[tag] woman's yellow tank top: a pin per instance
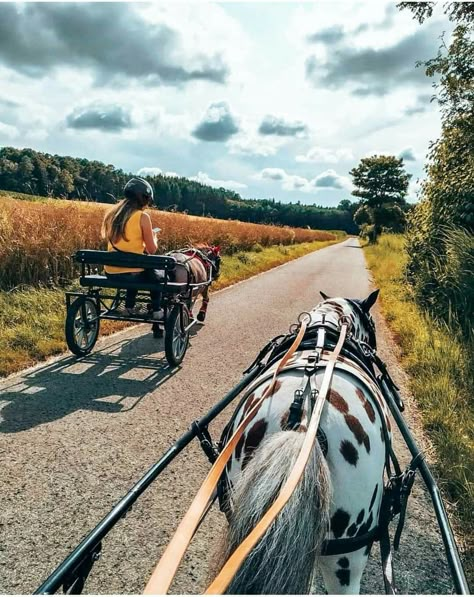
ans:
(133, 244)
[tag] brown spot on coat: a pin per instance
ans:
(369, 409)
(349, 452)
(372, 501)
(352, 530)
(343, 562)
(254, 437)
(239, 446)
(336, 400)
(344, 576)
(359, 433)
(339, 521)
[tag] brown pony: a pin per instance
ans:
(198, 264)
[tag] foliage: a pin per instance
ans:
(382, 183)
(29, 171)
(32, 319)
(440, 366)
(38, 238)
(441, 225)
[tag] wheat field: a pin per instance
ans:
(37, 238)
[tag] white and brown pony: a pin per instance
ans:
(198, 265)
(341, 490)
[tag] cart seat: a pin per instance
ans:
(97, 281)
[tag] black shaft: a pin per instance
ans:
(452, 553)
(57, 578)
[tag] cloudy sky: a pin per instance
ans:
(269, 99)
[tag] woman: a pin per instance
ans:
(128, 229)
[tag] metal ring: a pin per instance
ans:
(302, 315)
(345, 320)
(294, 327)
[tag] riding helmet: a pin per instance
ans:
(138, 187)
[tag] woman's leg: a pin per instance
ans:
(131, 295)
(150, 276)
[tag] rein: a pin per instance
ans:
(166, 568)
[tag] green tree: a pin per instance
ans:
(382, 184)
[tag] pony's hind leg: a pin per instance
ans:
(342, 574)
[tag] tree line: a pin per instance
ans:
(36, 173)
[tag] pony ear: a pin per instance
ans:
(324, 295)
(369, 302)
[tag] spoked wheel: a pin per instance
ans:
(82, 326)
(176, 335)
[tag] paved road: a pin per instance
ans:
(75, 435)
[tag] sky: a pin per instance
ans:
(268, 99)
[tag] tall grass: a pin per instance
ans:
(440, 365)
(37, 238)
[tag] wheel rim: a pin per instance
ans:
(85, 330)
(179, 338)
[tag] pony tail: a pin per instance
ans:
(284, 560)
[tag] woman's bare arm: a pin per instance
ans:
(148, 234)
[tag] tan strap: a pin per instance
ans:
(167, 566)
(223, 579)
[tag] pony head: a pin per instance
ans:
(357, 310)
(214, 256)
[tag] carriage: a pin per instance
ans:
(103, 297)
(329, 343)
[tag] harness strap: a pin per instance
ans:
(167, 566)
(223, 579)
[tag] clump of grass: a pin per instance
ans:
(37, 238)
(32, 319)
(440, 365)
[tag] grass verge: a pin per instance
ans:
(32, 319)
(441, 378)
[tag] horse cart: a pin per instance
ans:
(334, 344)
(102, 298)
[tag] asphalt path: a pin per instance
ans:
(75, 435)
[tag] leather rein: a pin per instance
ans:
(167, 566)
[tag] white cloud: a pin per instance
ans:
(325, 155)
(8, 131)
(331, 180)
(149, 172)
(204, 178)
(251, 144)
(328, 180)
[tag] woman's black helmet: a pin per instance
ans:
(138, 188)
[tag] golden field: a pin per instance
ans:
(37, 238)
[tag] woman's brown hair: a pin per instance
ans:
(115, 220)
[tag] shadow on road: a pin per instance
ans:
(111, 380)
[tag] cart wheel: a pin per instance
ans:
(176, 341)
(82, 326)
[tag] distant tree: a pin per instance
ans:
(382, 184)
(345, 205)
